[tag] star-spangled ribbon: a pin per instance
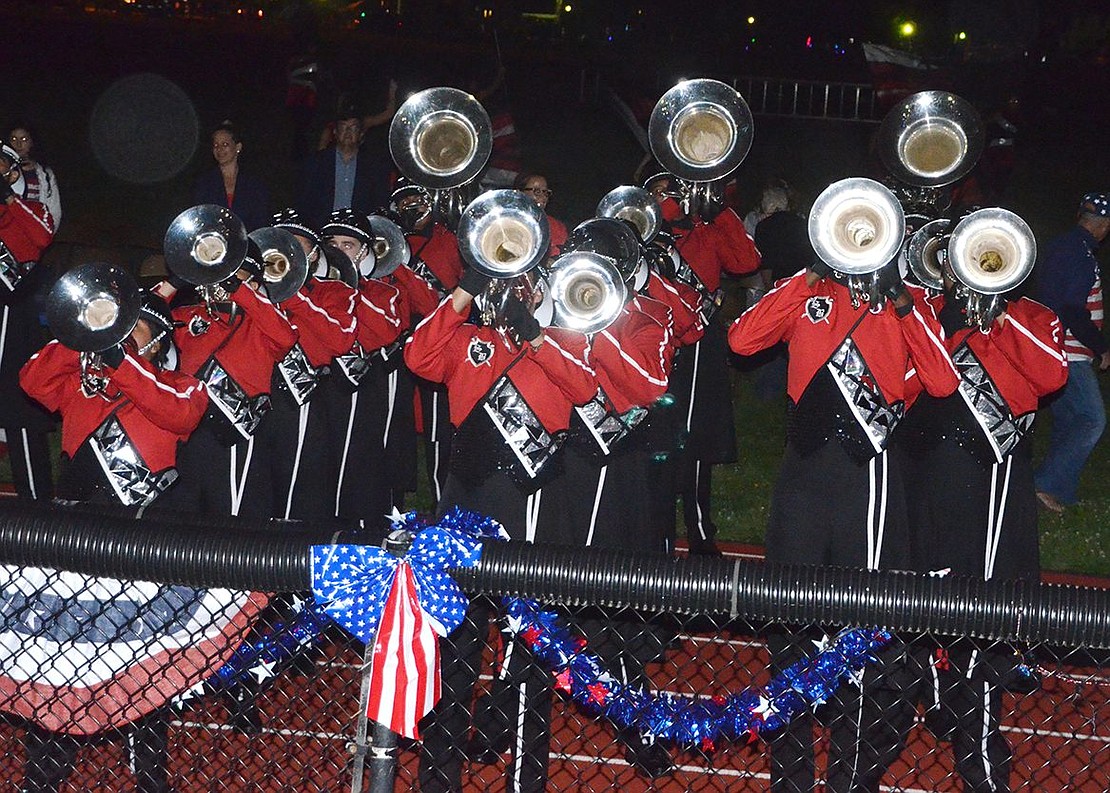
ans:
(399, 605)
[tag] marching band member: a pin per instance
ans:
(232, 345)
(296, 434)
(971, 453)
(510, 391)
(26, 229)
(849, 362)
(436, 260)
(709, 245)
(360, 400)
(119, 441)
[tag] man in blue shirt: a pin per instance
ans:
(1070, 284)
(345, 175)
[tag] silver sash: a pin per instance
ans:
(421, 268)
(243, 412)
(132, 480)
(298, 374)
(709, 302)
(869, 407)
(1004, 431)
(532, 445)
(11, 271)
(355, 365)
(605, 426)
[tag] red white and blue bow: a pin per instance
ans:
(400, 606)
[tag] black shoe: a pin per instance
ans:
(650, 759)
(704, 548)
(487, 751)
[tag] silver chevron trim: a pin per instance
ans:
(852, 375)
(245, 413)
(127, 472)
(520, 427)
(1003, 430)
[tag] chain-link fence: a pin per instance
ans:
(624, 673)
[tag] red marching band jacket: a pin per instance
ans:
(321, 313)
(470, 359)
(418, 297)
(632, 357)
(157, 408)
(814, 321)
(436, 256)
(380, 314)
(722, 246)
(26, 229)
(688, 325)
(247, 347)
(1023, 353)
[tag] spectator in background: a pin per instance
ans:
(535, 185)
(226, 185)
(42, 185)
(1071, 285)
(344, 175)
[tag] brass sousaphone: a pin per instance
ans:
(203, 246)
(441, 139)
(503, 234)
(390, 247)
(991, 251)
(284, 264)
(90, 309)
(700, 131)
(856, 226)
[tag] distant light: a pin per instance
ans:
(961, 36)
(260, 13)
(907, 29)
(567, 8)
(753, 39)
(751, 20)
(809, 42)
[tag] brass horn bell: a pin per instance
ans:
(93, 307)
(440, 138)
(390, 247)
(585, 293)
(930, 139)
(612, 238)
(284, 263)
(992, 251)
(700, 130)
(856, 226)
(635, 205)
(205, 244)
(927, 251)
(503, 234)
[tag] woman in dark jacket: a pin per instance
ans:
(228, 186)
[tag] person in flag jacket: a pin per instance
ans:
(295, 437)
(1070, 283)
(26, 230)
(708, 246)
(119, 446)
(511, 389)
(435, 263)
(973, 512)
(233, 346)
(839, 499)
(361, 394)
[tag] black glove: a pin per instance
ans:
(820, 269)
(474, 282)
(889, 283)
(520, 319)
(113, 356)
(230, 284)
(710, 209)
(5, 190)
(952, 316)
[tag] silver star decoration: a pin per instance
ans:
(823, 644)
(263, 670)
(855, 677)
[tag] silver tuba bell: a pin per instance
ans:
(584, 293)
(89, 309)
(205, 244)
(930, 139)
(284, 263)
(502, 234)
(856, 226)
(390, 247)
(927, 251)
(441, 138)
(635, 205)
(991, 251)
(700, 131)
(617, 241)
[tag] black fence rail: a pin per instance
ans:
(637, 673)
